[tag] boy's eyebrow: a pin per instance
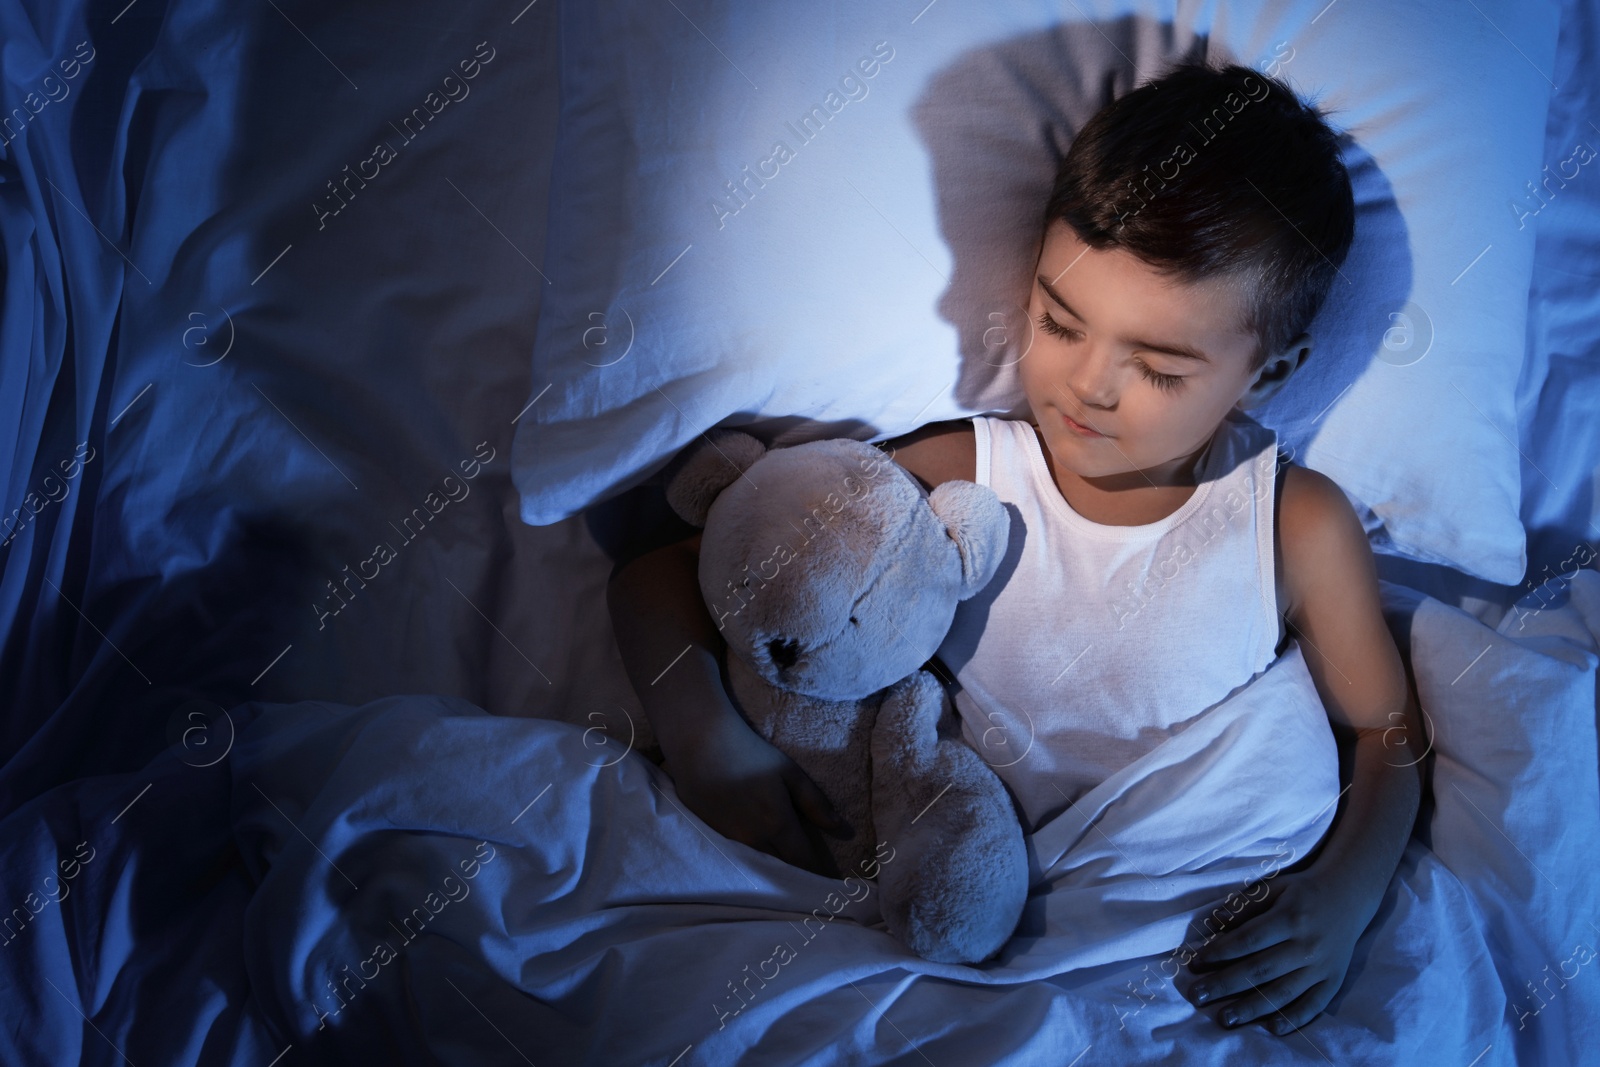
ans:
(1182, 350)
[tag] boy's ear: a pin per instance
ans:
(1276, 372)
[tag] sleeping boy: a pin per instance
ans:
(1194, 229)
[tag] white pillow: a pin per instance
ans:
(868, 276)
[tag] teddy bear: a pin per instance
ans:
(833, 576)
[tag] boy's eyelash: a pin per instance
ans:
(1049, 325)
(1159, 380)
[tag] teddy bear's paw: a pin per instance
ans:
(957, 889)
(959, 905)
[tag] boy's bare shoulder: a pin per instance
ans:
(1323, 544)
(1315, 512)
(935, 453)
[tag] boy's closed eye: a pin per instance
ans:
(1155, 377)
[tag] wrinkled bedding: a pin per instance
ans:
(416, 880)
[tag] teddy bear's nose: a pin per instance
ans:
(783, 652)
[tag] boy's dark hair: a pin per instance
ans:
(1209, 172)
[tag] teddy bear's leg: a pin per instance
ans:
(955, 883)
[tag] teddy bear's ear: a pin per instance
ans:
(979, 525)
(705, 467)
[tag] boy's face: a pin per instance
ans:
(1098, 372)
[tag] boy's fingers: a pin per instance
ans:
(796, 846)
(1266, 1001)
(789, 844)
(1242, 939)
(811, 802)
(1227, 917)
(1246, 975)
(1308, 1006)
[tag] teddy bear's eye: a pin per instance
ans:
(853, 620)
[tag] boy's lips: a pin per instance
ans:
(1078, 428)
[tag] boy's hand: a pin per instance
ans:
(748, 791)
(1284, 958)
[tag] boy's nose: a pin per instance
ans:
(1090, 387)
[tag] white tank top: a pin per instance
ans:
(1094, 643)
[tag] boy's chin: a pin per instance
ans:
(1067, 453)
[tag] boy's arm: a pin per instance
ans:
(725, 772)
(1288, 958)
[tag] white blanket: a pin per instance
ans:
(605, 924)
(425, 883)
